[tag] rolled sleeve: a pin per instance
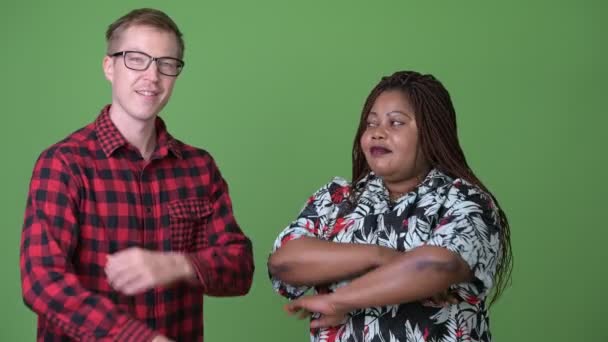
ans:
(469, 227)
(224, 266)
(312, 221)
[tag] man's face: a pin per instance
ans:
(140, 95)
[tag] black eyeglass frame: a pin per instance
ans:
(151, 59)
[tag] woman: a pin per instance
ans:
(414, 224)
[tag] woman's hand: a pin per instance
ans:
(442, 299)
(330, 314)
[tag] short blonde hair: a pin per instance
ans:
(145, 17)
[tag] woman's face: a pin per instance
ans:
(390, 140)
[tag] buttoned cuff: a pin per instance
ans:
(198, 265)
(135, 331)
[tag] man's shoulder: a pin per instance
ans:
(192, 153)
(74, 145)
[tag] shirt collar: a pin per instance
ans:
(375, 186)
(111, 139)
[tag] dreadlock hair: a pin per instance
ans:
(436, 120)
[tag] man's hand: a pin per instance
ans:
(136, 270)
(161, 338)
(330, 315)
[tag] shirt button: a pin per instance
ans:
(148, 210)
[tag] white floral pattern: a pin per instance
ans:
(441, 211)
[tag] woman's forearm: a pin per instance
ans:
(311, 261)
(415, 275)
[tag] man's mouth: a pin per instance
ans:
(147, 92)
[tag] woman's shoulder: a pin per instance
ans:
(339, 181)
(337, 189)
(463, 192)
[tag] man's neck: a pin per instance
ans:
(140, 134)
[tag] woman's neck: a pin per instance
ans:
(397, 188)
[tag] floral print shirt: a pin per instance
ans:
(441, 211)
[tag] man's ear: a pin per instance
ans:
(108, 68)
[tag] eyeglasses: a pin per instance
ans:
(136, 60)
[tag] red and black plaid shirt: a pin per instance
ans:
(92, 195)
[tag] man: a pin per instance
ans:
(126, 227)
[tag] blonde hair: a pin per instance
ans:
(146, 17)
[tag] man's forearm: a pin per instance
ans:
(224, 270)
(82, 304)
(310, 261)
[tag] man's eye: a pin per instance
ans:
(136, 60)
(168, 64)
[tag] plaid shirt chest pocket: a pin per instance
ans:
(188, 219)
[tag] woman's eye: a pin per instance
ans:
(396, 123)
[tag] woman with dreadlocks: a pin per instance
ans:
(415, 248)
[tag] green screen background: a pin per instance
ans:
(274, 90)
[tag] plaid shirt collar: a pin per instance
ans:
(111, 139)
